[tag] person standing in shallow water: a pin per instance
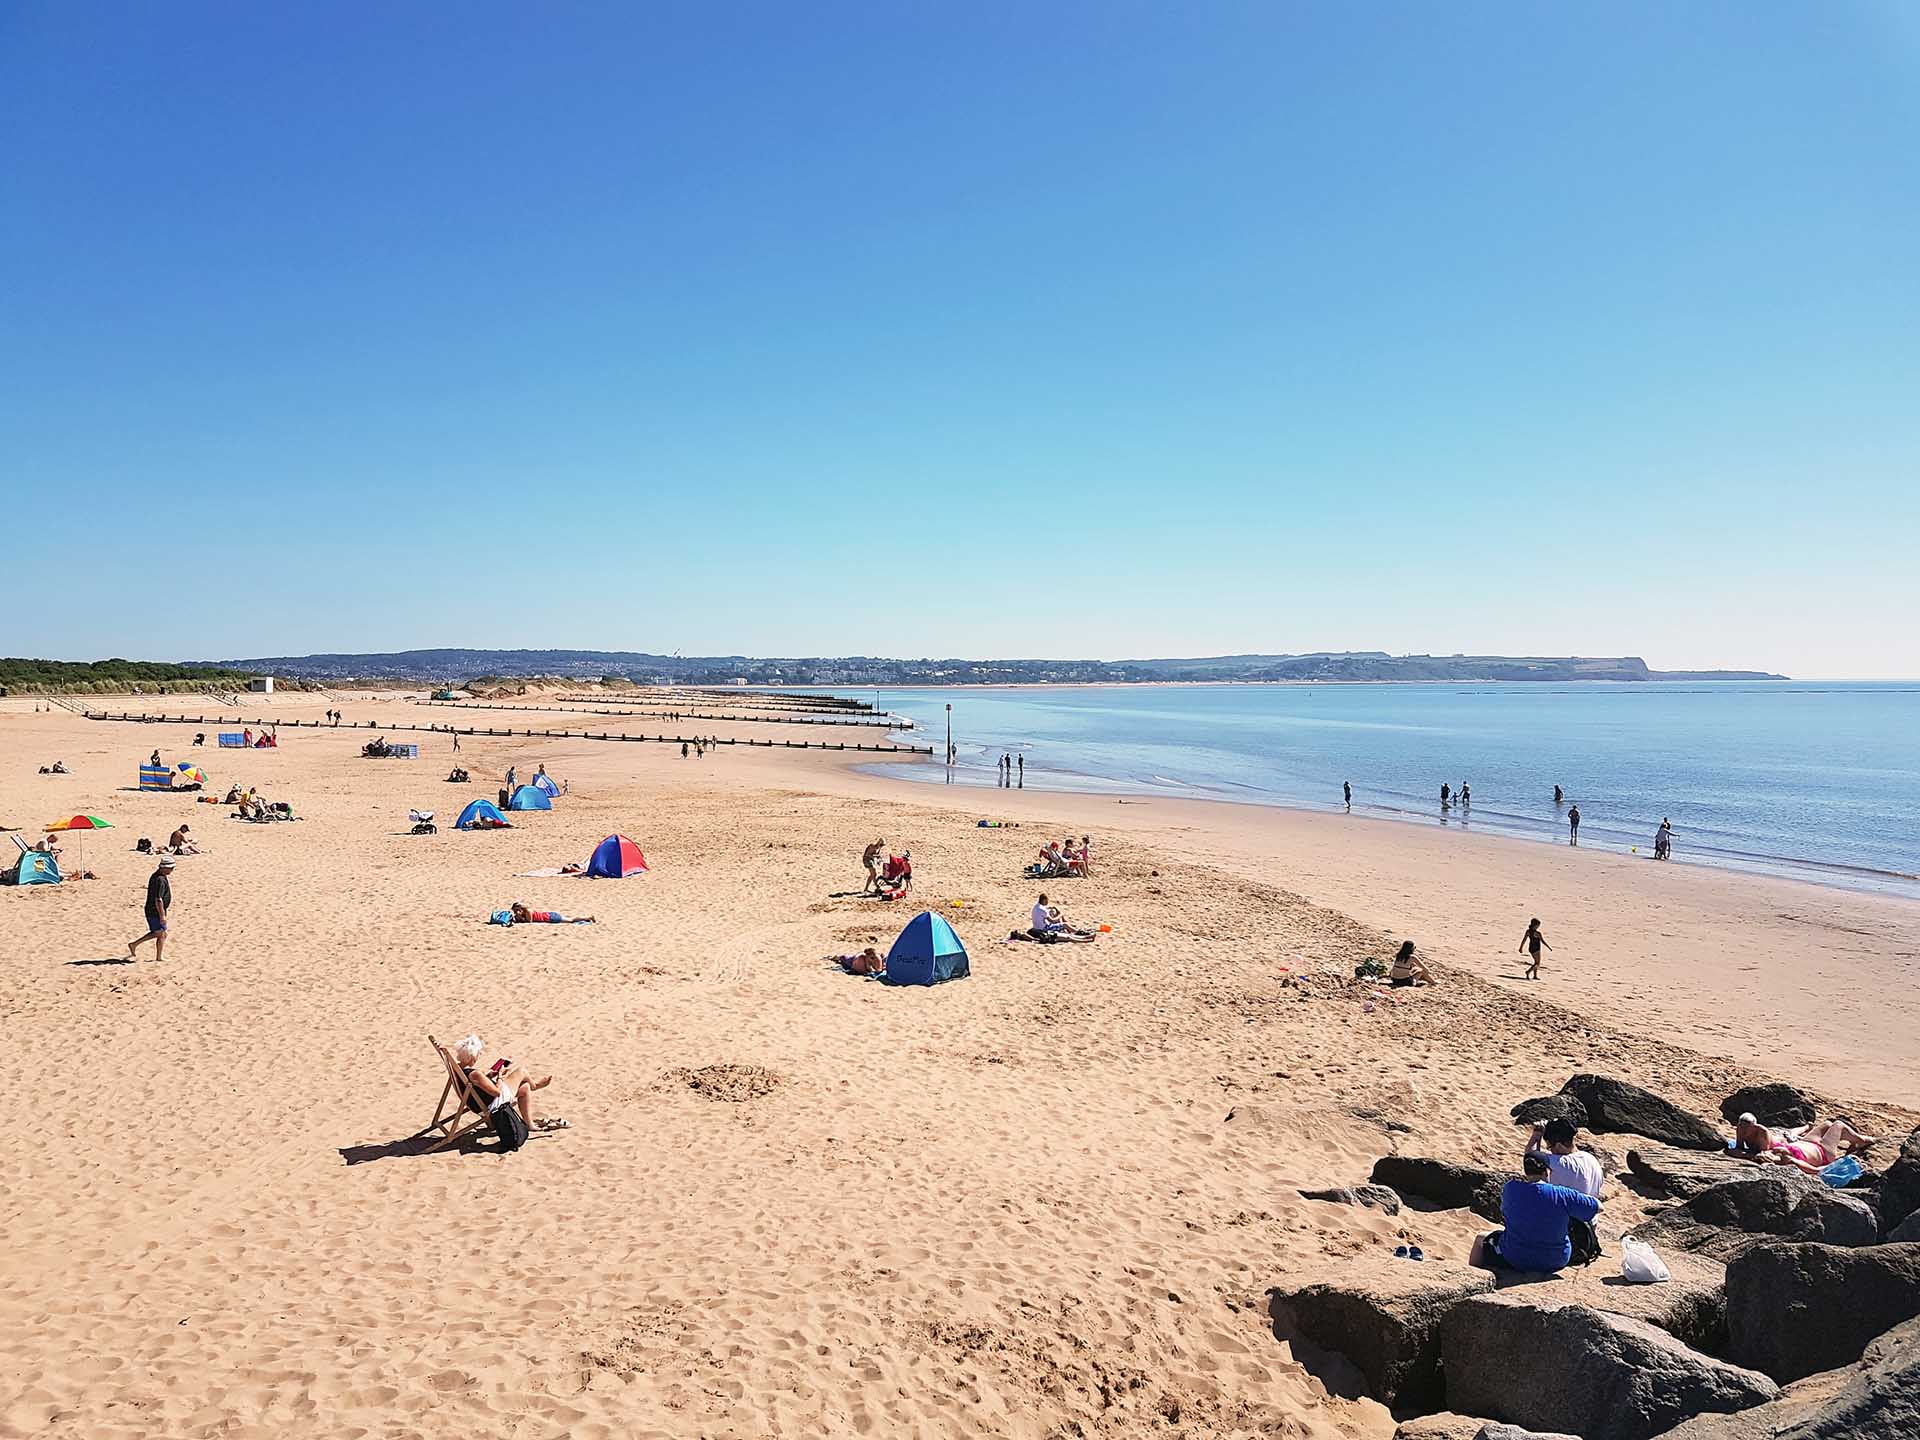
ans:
(1346, 792)
(1573, 825)
(1559, 795)
(1023, 772)
(1446, 795)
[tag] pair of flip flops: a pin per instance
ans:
(1408, 1252)
(551, 1122)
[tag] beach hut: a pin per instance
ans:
(615, 858)
(530, 797)
(480, 813)
(36, 867)
(926, 953)
(543, 782)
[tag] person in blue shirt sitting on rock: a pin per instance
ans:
(1537, 1213)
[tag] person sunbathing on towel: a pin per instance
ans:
(181, 843)
(523, 916)
(1809, 1148)
(503, 1078)
(867, 962)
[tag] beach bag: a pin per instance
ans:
(500, 917)
(1639, 1265)
(1585, 1242)
(504, 1116)
(145, 847)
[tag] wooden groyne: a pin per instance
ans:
(274, 724)
(781, 719)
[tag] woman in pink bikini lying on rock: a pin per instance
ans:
(1809, 1148)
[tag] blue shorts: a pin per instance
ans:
(156, 922)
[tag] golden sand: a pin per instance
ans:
(1044, 1201)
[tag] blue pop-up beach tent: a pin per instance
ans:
(926, 953)
(476, 812)
(529, 797)
(36, 867)
(544, 784)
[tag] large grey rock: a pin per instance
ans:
(1876, 1399)
(1370, 1197)
(1574, 1369)
(1908, 1230)
(1550, 1107)
(1441, 1425)
(1494, 1430)
(1679, 1174)
(1776, 1104)
(1614, 1105)
(1384, 1316)
(1691, 1307)
(1794, 1309)
(1900, 1186)
(1450, 1186)
(1757, 1204)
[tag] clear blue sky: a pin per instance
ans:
(1062, 329)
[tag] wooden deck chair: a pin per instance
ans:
(468, 1109)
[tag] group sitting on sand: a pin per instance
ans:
(59, 767)
(1549, 1209)
(1062, 858)
(1049, 927)
(1807, 1148)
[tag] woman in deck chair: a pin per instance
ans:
(502, 1078)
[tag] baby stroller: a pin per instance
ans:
(897, 878)
(422, 822)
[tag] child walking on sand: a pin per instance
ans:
(1534, 942)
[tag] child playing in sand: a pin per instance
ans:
(1533, 940)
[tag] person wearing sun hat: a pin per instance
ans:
(159, 902)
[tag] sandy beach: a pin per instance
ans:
(1044, 1201)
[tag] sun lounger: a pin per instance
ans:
(467, 1111)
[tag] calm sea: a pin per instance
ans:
(1817, 780)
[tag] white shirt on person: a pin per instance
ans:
(1043, 918)
(1578, 1171)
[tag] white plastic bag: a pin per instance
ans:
(1639, 1265)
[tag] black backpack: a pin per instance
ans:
(507, 1124)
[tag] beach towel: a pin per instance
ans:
(546, 872)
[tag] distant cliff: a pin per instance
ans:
(1351, 665)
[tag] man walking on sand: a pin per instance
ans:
(159, 901)
(870, 857)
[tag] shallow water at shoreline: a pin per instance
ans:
(1817, 781)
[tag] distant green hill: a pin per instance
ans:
(414, 666)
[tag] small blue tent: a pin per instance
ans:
(478, 813)
(36, 868)
(529, 797)
(543, 782)
(926, 953)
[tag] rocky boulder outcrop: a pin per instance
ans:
(1772, 1104)
(1370, 1197)
(1384, 1316)
(1450, 1186)
(1540, 1110)
(1691, 1306)
(1679, 1174)
(1794, 1309)
(1758, 1204)
(1876, 1399)
(1582, 1371)
(1493, 1430)
(1907, 1231)
(1616, 1106)
(1900, 1186)
(1441, 1425)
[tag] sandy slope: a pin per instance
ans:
(1046, 1201)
